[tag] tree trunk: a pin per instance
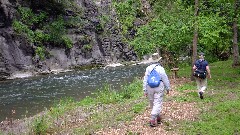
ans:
(235, 37)
(195, 37)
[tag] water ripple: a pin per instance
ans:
(34, 94)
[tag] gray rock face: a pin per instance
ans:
(13, 56)
(96, 43)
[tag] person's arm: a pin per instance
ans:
(165, 80)
(208, 71)
(194, 67)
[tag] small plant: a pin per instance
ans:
(138, 107)
(87, 47)
(61, 107)
(40, 126)
(40, 37)
(187, 86)
(68, 42)
(23, 30)
(56, 30)
(104, 20)
(40, 51)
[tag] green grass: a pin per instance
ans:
(187, 86)
(221, 107)
(107, 107)
(121, 106)
(219, 110)
(221, 119)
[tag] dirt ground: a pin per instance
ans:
(172, 112)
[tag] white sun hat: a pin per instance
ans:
(156, 57)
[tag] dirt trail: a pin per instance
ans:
(172, 112)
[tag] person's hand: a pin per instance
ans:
(167, 91)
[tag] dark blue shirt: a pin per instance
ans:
(201, 64)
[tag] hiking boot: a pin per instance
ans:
(152, 123)
(159, 120)
(201, 95)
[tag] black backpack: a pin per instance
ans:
(199, 72)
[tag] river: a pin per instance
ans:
(26, 97)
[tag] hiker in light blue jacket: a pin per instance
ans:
(156, 94)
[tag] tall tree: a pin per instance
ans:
(195, 35)
(235, 35)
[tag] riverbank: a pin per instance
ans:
(88, 116)
(127, 112)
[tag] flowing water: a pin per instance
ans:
(21, 98)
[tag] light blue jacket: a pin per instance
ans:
(162, 74)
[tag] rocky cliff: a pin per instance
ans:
(18, 56)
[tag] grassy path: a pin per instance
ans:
(172, 113)
(184, 113)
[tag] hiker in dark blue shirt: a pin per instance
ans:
(201, 65)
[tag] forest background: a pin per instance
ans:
(175, 28)
(183, 28)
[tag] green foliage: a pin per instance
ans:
(57, 32)
(87, 47)
(145, 40)
(67, 41)
(108, 95)
(160, 6)
(127, 12)
(214, 33)
(40, 51)
(104, 19)
(56, 29)
(60, 107)
(170, 30)
(40, 126)
(189, 97)
(29, 18)
(23, 30)
(40, 37)
(138, 107)
(38, 31)
(186, 87)
(87, 101)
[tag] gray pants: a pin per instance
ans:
(201, 84)
(155, 96)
